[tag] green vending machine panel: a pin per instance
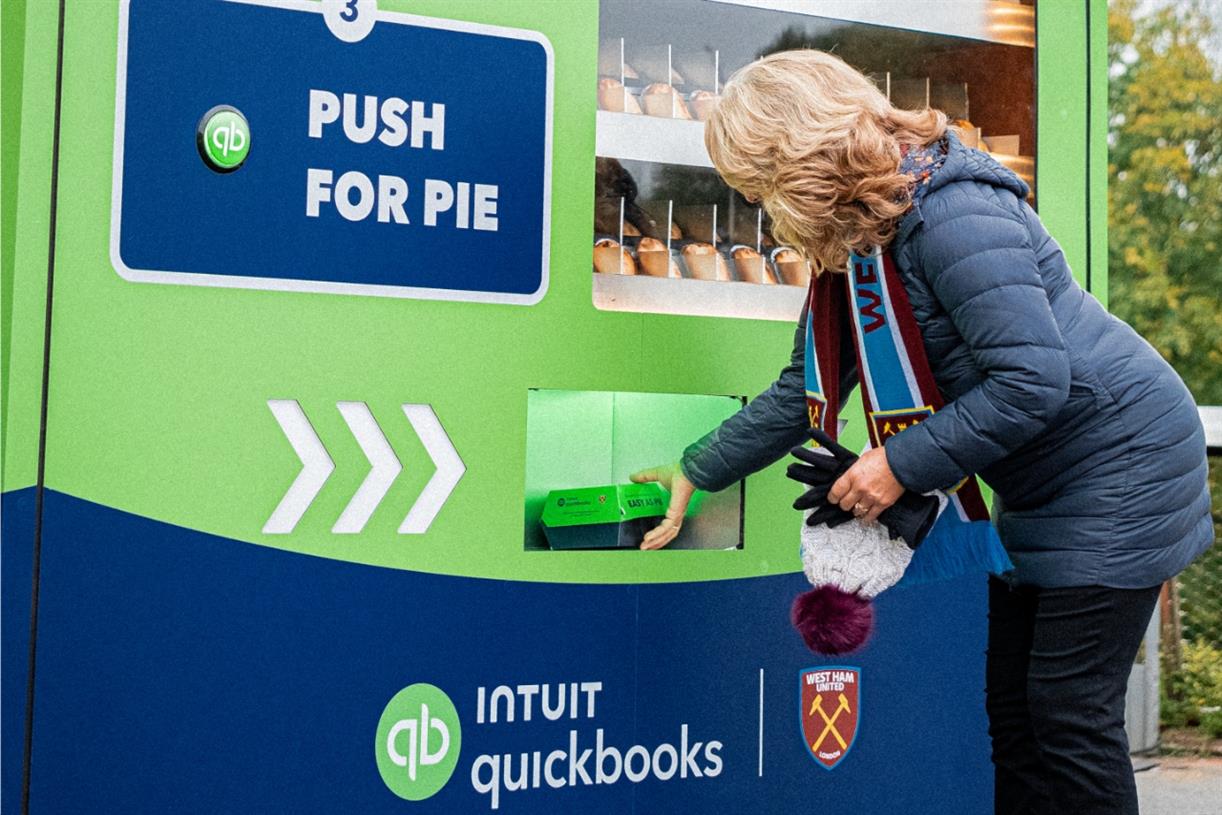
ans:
(314, 310)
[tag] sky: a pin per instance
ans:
(1214, 7)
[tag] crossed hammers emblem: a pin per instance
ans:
(829, 722)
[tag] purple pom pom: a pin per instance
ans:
(832, 621)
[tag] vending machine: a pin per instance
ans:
(332, 334)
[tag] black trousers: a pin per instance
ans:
(1058, 665)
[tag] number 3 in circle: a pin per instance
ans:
(350, 20)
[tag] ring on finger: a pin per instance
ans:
(860, 509)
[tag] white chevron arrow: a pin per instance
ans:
(316, 466)
(449, 469)
(384, 467)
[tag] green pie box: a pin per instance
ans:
(613, 517)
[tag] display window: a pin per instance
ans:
(669, 236)
(582, 449)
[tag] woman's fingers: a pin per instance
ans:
(850, 501)
(680, 495)
(840, 489)
(660, 535)
(868, 482)
(876, 509)
(851, 493)
(662, 475)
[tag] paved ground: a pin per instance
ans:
(1179, 786)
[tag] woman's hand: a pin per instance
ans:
(680, 489)
(868, 487)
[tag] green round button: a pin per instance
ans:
(223, 138)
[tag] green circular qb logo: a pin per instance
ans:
(223, 138)
(418, 741)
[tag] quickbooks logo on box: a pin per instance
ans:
(418, 741)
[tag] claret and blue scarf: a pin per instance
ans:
(849, 561)
(897, 391)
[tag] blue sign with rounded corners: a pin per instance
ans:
(361, 151)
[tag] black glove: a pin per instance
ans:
(910, 518)
(819, 473)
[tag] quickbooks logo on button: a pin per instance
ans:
(223, 138)
(418, 741)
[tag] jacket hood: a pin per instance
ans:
(965, 164)
(961, 164)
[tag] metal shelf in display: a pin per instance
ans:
(698, 298)
(640, 137)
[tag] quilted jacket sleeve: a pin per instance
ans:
(767, 427)
(982, 269)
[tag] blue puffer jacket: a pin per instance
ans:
(1090, 441)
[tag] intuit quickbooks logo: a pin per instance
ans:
(418, 741)
(419, 733)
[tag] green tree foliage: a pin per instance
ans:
(1201, 583)
(1165, 185)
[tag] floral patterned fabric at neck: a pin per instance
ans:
(922, 162)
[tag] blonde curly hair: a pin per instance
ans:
(818, 144)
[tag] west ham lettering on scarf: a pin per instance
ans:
(868, 300)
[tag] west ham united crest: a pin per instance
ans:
(888, 423)
(830, 709)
